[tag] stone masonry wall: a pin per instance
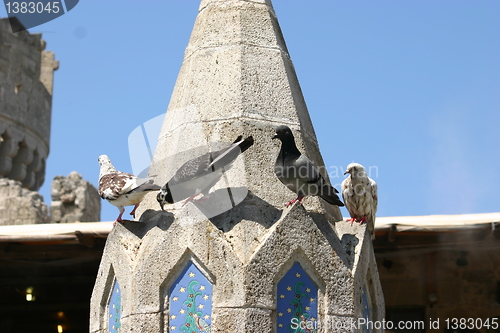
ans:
(74, 200)
(19, 205)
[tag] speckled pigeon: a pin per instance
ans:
(122, 189)
(201, 173)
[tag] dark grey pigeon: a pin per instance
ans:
(298, 173)
(201, 173)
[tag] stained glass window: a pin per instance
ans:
(191, 302)
(115, 308)
(365, 302)
(297, 304)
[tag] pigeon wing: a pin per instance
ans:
(210, 162)
(225, 157)
(191, 169)
(305, 170)
(374, 192)
(112, 185)
(143, 185)
(308, 175)
(347, 195)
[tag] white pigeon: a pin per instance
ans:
(122, 189)
(360, 196)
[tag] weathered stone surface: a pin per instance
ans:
(19, 205)
(236, 79)
(74, 200)
(251, 320)
(26, 81)
(145, 258)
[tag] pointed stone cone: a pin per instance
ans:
(223, 263)
(237, 78)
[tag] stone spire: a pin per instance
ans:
(237, 78)
(236, 264)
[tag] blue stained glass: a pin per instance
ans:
(191, 302)
(115, 308)
(366, 309)
(297, 305)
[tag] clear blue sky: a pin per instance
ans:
(411, 88)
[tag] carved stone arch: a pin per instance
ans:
(111, 284)
(315, 289)
(116, 264)
(20, 162)
(368, 292)
(8, 149)
(108, 295)
(186, 271)
(298, 255)
(284, 242)
(40, 174)
(108, 278)
(176, 270)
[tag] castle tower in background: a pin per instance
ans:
(243, 263)
(26, 80)
(26, 85)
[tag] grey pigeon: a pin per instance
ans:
(298, 173)
(360, 196)
(201, 173)
(122, 189)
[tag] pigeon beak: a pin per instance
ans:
(346, 172)
(275, 136)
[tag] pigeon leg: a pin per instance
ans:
(133, 210)
(299, 199)
(363, 220)
(352, 219)
(184, 203)
(119, 218)
(203, 198)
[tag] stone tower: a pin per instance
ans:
(26, 82)
(238, 262)
(26, 79)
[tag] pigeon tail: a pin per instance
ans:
(201, 173)
(245, 144)
(146, 187)
(328, 194)
(225, 157)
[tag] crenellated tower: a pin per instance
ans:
(26, 80)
